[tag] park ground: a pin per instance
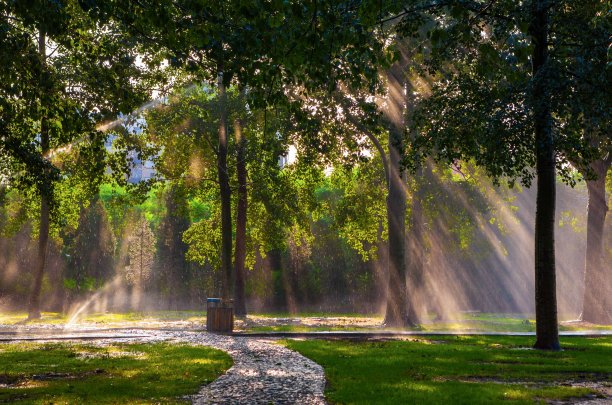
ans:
(416, 369)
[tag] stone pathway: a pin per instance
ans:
(263, 373)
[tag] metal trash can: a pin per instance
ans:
(219, 315)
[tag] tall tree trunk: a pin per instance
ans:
(225, 193)
(547, 329)
(241, 221)
(381, 265)
(416, 284)
(397, 303)
(45, 192)
(597, 304)
(399, 312)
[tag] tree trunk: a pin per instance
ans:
(45, 193)
(397, 306)
(225, 193)
(380, 267)
(416, 254)
(547, 330)
(597, 305)
(241, 221)
(397, 313)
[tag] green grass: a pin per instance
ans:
(12, 318)
(481, 322)
(194, 316)
(55, 318)
(478, 322)
(119, 373)
(302, 322)
(458, 370)
(304, 329)
(316, 315)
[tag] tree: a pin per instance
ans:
(397, 300)
(171, 251)
(241, 218)
(304, 46)
(547, 329)
(489, 104)
(73, 82)
(584, 62)
(362, 119)
(141, 255)
(91, 256)
(596, 304)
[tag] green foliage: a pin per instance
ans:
(91, 253)
(198, 210)
(62, 84)
(13, 212)
(360, 212)
(204, 240)
(479, 104)
(316, 45)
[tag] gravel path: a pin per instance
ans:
(263, 373)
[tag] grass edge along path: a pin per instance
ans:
(126, 373)
(285, 322)
(459, 369)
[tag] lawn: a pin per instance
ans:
(459, 369)
(462, 322)
(106, 318)
(300, 322)
(34, 373)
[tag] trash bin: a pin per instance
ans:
(219, 315)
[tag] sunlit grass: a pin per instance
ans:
(119, 373)
(301, 322)
(458, 370)
(316, 315)
(190, 316)
(305, 329)
(464, 322)
(55, 318)
(12, 318)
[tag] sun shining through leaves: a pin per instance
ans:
(414, 193)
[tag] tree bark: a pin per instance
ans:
(225, 194)
(416, 284)
(597, 304)
(547, 330)
(397, 303)
(45, 192)
(241, 221)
